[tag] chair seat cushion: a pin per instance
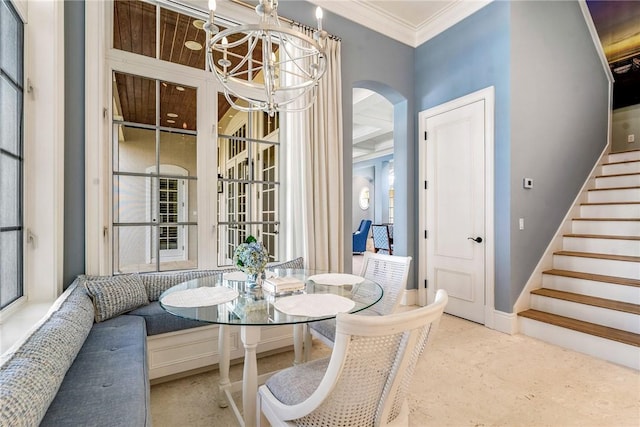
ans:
(327, 328)
(294, 385)
(159, 321)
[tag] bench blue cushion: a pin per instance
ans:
(108, 382)
(32, 371)
(159, 321)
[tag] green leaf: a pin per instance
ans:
(250, 239)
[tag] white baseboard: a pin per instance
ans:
(505, 322)
(410, 297)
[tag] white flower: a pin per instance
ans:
(251, 257)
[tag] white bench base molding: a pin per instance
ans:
(191, 349)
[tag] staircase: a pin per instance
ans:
(590, 299)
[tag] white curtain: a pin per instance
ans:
(313, 187)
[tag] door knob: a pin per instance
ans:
(477, 239)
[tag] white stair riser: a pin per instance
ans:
(620, 195)
(613, 351)
(610, 211)
(618, 181)
(623, 157)
(623, 293)
(602, 246)
(615, 168)
(606, 267)
(611, 228)
(587, 313)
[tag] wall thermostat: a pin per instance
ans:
(527, 182)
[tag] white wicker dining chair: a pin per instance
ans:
(296, 263)
(391, 272)
(366, 379)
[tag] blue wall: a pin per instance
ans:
(73, 259)
(515, 47)
(550, 117)
(377, 171)
(472, 55)
(559, 123)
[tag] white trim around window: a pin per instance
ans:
(43, 204)
(44, 150)
(101, 62)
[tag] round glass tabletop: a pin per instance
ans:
(228, 299)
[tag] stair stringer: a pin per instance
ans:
(546, 261)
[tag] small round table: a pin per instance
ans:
(253, 308)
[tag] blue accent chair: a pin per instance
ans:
(360, 236)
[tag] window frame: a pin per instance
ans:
(102, 60)
(18, 156)
(43, 169)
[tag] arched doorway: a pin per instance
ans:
(378, 121)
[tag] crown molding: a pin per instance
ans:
(371, 17)
(448, 18)
(375, 18)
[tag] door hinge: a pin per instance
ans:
(426, 184)
(425, 283)
(425, 234)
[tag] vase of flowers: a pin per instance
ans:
(251, 257)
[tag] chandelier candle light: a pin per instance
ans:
(266, 66)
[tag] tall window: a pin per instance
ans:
(11, 154)
(154, 195)
(154, 175)
(248, 148)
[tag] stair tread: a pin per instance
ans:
(599, 256)
(608, 203)
(594, 277)
(605, 219)
(625, 307)
(585, 327)
(618, 174)
(620, 162)
(630, 150)
(602, 236)
(614, 188)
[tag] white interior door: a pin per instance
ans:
(455, 208)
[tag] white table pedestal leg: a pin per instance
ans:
(298, 346)
(224, 354)
(250, 336)
(307, 339)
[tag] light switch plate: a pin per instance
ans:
(527, 182)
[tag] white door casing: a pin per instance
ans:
(456, 205)
(180, 251)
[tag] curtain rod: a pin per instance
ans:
(287, 20)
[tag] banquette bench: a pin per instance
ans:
(87, 361)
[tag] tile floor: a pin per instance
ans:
(470, 376)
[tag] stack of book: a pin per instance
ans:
(277, 285)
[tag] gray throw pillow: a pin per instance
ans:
(114, 295)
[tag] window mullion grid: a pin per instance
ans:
(157, 179)
(18, 86)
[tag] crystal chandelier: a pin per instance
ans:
(266, 66)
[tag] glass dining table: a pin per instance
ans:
(228, 300)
